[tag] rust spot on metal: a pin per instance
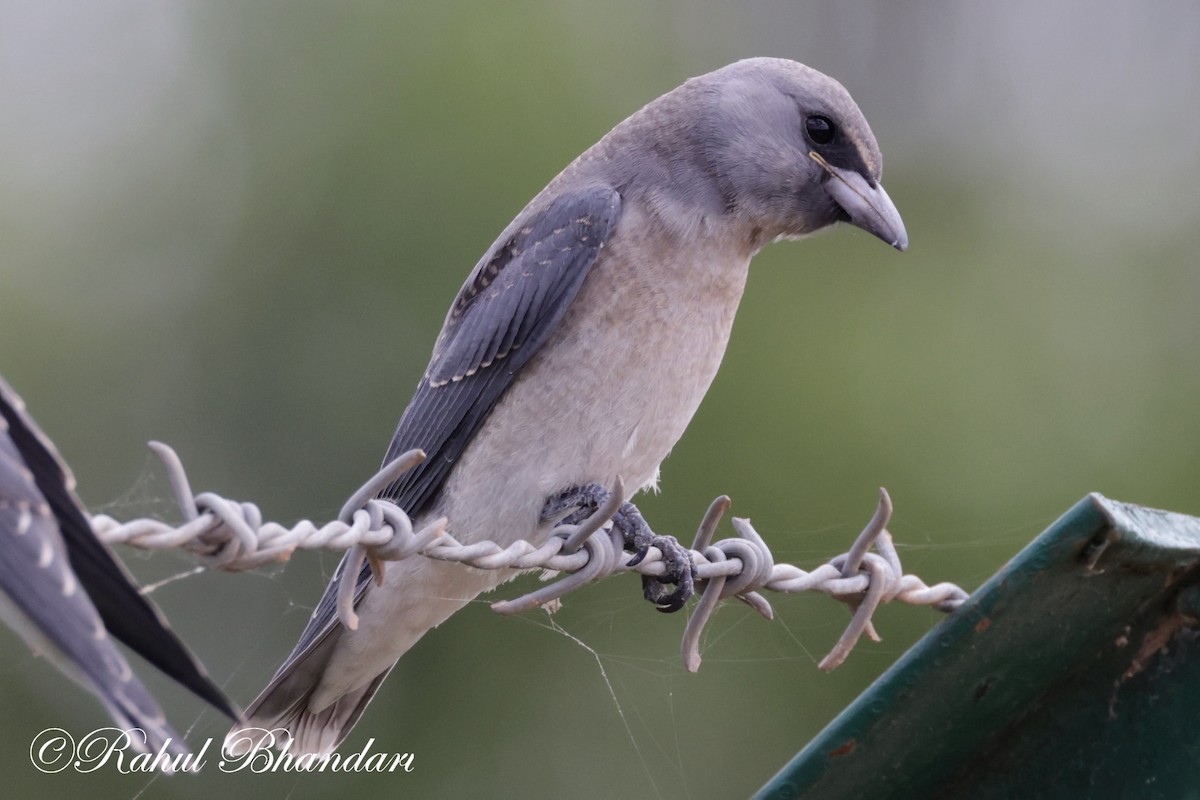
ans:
(983, 625)
(1123, 639)
(1155, 641)
(846, 749)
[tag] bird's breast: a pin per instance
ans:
(611, 391)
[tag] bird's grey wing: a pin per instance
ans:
(125, 612)
(509, 306)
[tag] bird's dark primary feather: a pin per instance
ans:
(504, 313)
(126, 613)
(60, 610)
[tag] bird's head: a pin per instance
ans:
(790, 151)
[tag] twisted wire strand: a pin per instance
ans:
(232, 536)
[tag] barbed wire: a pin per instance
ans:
(232, 536)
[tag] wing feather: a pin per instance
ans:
(510, 304)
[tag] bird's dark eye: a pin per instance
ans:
(820, 129)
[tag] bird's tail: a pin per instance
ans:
(323, 688)
(282, 711)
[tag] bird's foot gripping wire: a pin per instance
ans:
(668, 592)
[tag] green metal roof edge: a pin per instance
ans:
(1052, 605)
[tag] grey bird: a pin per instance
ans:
(64, 592)
(580, 346)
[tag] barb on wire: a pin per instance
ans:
(232, 536)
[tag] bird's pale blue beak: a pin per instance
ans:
(866, 203)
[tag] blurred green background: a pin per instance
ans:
(236, 227)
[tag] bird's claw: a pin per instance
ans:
(677, 560)
(637, 538)
(680, 571)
